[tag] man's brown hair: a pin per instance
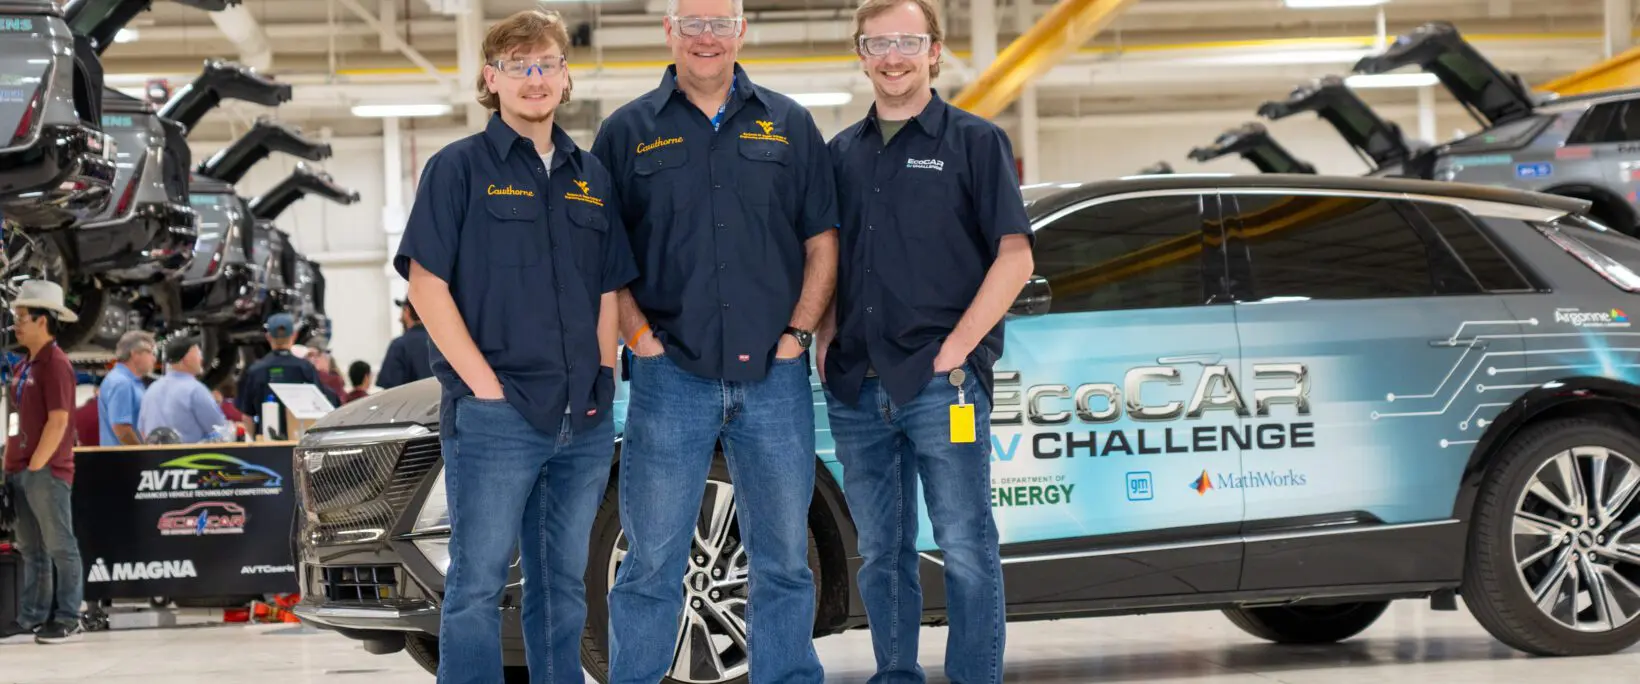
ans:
(874, 8)
(526, 30)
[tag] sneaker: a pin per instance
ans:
(59, 634)
(15, 633)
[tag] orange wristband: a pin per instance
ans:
(637, 335)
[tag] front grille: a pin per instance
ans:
(360, 583)
(359, 492)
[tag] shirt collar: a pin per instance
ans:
(656, 99)
(503, 139)
(931, 120)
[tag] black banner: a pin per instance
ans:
(204, 520)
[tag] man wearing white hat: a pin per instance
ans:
(39, 465)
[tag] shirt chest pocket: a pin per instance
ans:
(514, 235)
(591, 229)
(661, 181)
(766, 170)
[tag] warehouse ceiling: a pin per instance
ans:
(1163, 55)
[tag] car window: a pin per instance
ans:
(1488, 264)
(1128, 254)
(1320, 247)
(1596, 126)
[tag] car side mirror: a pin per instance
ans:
(1034, 299)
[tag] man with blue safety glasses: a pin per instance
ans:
(935, 247)
(727, 190)
(514, 250)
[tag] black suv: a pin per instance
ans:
(1292, 398)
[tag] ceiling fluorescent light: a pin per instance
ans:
(126, 35)
(1408, 80)
(1329, 4)
(401, 110)
(836, 99)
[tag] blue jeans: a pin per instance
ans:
(45, 536)
(509, 484)
(674, 419)
(883, 449)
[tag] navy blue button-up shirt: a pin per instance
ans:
(718, 219)
(527, 254)
(407, 360)
(923, 218)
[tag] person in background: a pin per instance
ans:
(319, 355)
(279, 367)
(179, 400)
(407, 355)
(86, 430)
(229, 387)
(119, 401)
(359, 374)
(39, 465)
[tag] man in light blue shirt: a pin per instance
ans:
(179, 400)
(120, 400)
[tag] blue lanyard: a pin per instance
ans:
(717, 121)
(22, 378)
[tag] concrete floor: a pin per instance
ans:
(1410, 644)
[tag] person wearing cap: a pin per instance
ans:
(119, 400)
(179, 401)
(39, 465)
(279, 367)
(318, 354)
(407, 356)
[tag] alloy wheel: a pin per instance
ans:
(711, 641)
(1576, 539)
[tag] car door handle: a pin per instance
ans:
(1203, 359)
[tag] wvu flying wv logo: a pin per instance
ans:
(1202, 484)
(767, 134)
(585, 195)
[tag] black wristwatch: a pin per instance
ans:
(805, 338)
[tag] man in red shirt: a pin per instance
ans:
(85, 423)
(39, 465)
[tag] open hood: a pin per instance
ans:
(222, 81)
(101, 20)
(303, 182)
(267, 136)
(1252, 141)
(1372, 136)
(1491, 95)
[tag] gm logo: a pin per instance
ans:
(1138, 487)
(16, 24)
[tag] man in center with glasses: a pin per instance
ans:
(727, 191)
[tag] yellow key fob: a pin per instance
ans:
(962, 423)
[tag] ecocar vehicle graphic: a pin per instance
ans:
(1292, 398)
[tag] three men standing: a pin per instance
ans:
(517, 247)
(729, 196)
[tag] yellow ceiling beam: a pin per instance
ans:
(1622, 71)
(1060, 32)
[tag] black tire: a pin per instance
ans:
(1492, 586)
(423, 648)
(606, 531)
(1324, 624)
(221, 358)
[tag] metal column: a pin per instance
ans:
(1029, 148)
(393, 214)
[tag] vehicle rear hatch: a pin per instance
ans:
(1372, 136)
(1492, 95)
(27, 56)
(127, 120)
(218, 210)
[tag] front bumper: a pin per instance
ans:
(155, 242)
(65, 177)
(364, 588)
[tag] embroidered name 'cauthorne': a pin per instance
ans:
(509, 190)
(659, 143)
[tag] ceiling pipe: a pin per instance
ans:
(242, 29)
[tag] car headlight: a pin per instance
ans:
(434, 518)
(435, 512)
(437, 551)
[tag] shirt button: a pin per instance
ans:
(871, 227)
(868, 270)
(768, 154)
(720, 225)
(716, 186)
(871, 310)
(876, 189)
(723, 265)
(726, 305)
(515, 211)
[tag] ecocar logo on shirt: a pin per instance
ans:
(929, 164)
